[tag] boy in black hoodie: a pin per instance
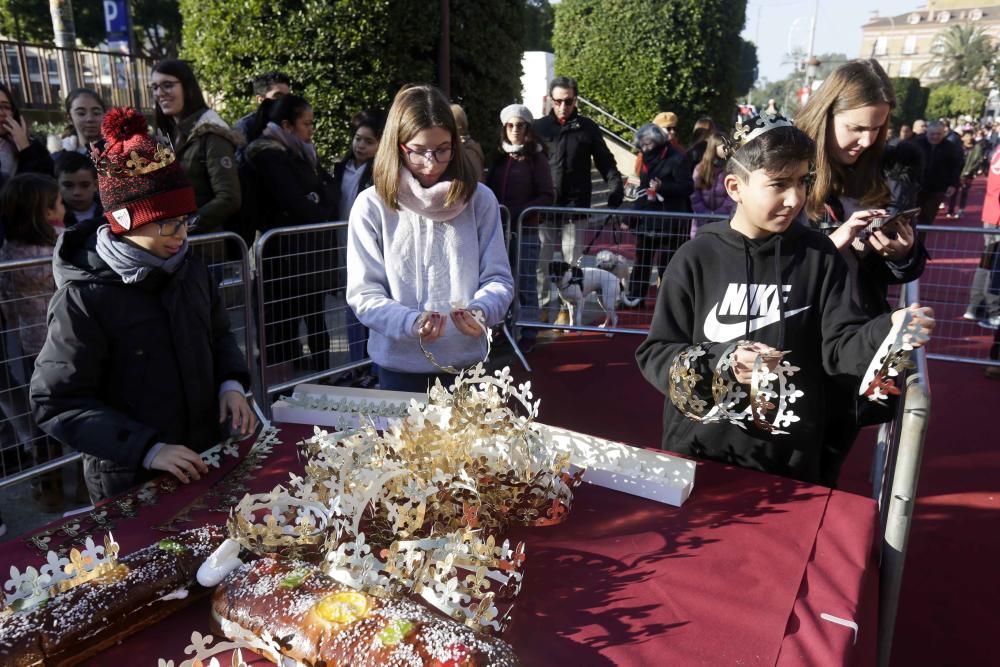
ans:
(762, 290)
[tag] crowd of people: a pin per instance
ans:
(138, 362)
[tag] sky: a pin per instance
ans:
(838, 27)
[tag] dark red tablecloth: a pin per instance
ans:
(739, 575)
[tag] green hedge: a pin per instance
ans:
(638, 57)
(348, 55)
(911, 101)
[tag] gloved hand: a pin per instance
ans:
(616, 196)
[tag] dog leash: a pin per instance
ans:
(593, 240)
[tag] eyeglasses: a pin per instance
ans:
(173, 225)
(438, 155)
(568, 101)
(166, 86)
(671, 128)
(516, 126)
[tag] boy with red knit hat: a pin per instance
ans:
(139, 366)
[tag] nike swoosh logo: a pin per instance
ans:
(718, 332)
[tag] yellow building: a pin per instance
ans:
(904, 44)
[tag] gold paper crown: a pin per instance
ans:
(292, 527)
(758, 125)
(136, 165)
(36, 585)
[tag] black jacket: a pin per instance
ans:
(126, 366)
(674, 170)
(571, 148)
(902, 167)
(824, 332)
(291, 192)
(34, 159)
(942, 164)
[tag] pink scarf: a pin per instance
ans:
(428, 202)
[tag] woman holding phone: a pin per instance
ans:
(860, 183)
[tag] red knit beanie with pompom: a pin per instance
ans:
(140, 181)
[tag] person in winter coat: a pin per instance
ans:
(427, 271)
(665, 184)
(139, 370)
(203, 143)
(33, 212)
(761, 287)
(266, 86)
(293, 189)
(77, 178)
(943, 161)
(984, 293)
(85, 111)
(858, 181)
(472, 148)
(19, 153)
(573, 142)
(520, 178)
(710, 196)
(973, 152)
(351, 177)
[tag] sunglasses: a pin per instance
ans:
(516, 126)
(568, 101)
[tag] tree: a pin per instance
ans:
(910, 101)
(355, 54)
(539, 18)
(748, 67)
(963, 54)
(157, 24)
(638, 57)
(952, 99)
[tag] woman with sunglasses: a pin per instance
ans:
(520, 178)
(139, 370)
(203, 143)
(427, 271)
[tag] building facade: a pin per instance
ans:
(905, 44)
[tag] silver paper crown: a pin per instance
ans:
(758, 125)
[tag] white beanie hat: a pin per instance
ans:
(515, 111)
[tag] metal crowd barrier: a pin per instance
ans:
(896, 493)
(26, 452)
(306, 330)
(962, 283)
(631, 248)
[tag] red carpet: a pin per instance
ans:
(947, 611)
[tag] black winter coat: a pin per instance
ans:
(126, 366)
(291, 192)
(942, 164)
(674, 170)
(571, 148)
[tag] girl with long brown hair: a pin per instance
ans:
(427, 269)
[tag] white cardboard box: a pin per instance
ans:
(613, 465)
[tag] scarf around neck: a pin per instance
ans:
(294, 144)
(428, 202)
(131, 262)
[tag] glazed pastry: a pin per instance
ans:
(82, 621)
(289, 609)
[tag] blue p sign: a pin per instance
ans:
(115, 19)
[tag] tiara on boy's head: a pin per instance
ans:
(758, 125)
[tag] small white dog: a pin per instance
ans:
(576, 284)
(614, 263)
